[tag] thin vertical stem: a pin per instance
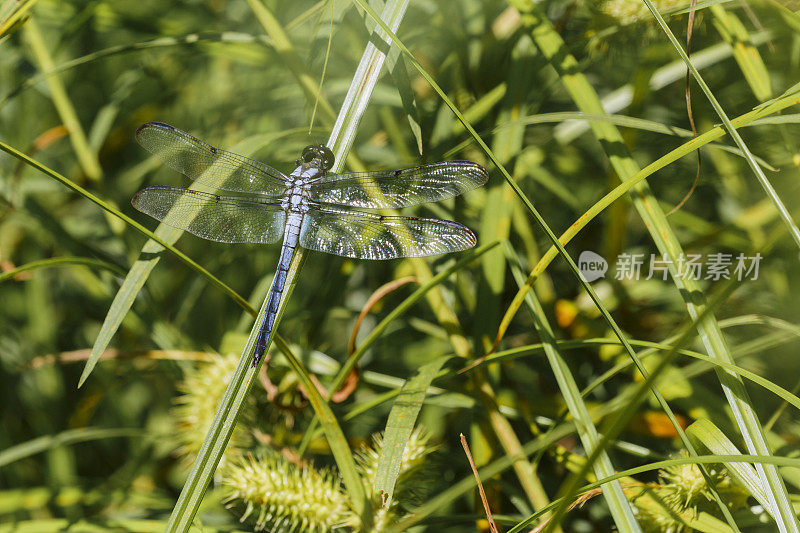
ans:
(208, 458)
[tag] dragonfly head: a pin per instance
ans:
(319, 155)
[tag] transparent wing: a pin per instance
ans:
(216, 218)
(206, 164)
(400, 188)
(369, 236)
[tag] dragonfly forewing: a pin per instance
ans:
(399, 188)
(230, 219)
(303, 208)
(371, 236)
(210, 166)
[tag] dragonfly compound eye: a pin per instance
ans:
(321, 154)
(327, 157)
(308, 154)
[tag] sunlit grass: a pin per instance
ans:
(560, 385)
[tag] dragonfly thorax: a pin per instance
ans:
(296, 199)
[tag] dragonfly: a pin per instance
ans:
(310, 207)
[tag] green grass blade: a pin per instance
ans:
(523, 351)
(630, 183)
(731, 129)
(696, 7)
(708, 435)
(617, 502)
(156, 240)
(56, 525)
(400, 425)
(86, 157)
(737, 395)
(71, 436)
(628, 122)
(123, 300)
(481, 108)
(62, 261)
(495, 225)
(334, 435)
(658, 465)
(218, 435)
(791, 18)
(190, 39)
(746, 54)
(403, 83)
(8, 24)
(499, 204)
(285, 50)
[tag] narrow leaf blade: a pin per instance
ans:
(401, 422)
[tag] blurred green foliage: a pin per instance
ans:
(77, 78)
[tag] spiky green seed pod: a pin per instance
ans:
(686, 486)
(284, 497)
(414, 453)
(653, 517)
(201, 391)
(683, 491)
(382, 517)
